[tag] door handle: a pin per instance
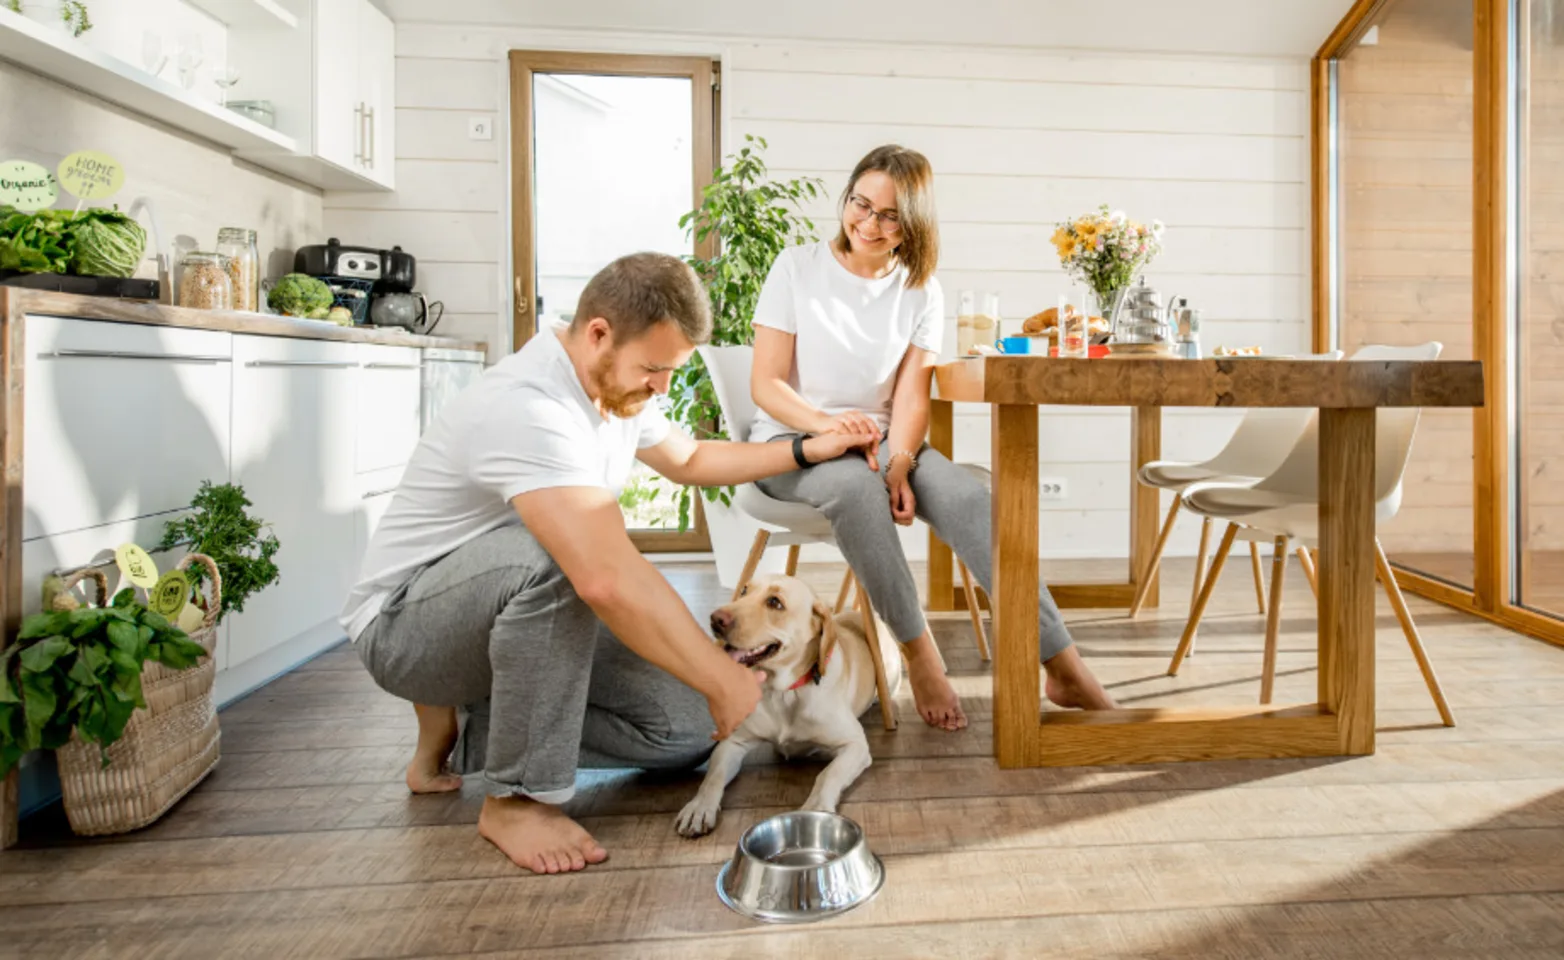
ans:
(130, 355)
(358, 132)
(378, 493)
(392, 366)
(369, 139)
(329, 364)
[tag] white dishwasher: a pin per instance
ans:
(447, 373)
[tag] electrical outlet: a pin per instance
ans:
(480, 128)
(1053, 488)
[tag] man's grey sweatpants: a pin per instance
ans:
(949, 498)
(496, 629)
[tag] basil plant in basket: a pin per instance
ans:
(752, 219)
(242, 546)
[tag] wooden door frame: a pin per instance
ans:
(702, 74)
(1492, 295)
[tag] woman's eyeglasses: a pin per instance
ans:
(863, 210)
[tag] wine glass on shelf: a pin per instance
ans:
(153, 54)
(190, 59)
(226, 78)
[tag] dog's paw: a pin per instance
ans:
(697, 819)
(822, 804)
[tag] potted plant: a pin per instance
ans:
(219, 527)
(752, 219)
(68, 15)
(1105, 251)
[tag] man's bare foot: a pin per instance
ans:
(932, 691)
(1070, 684)
(537, 836)
(437, 729)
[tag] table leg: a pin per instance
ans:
(942, 574)
(1017, 667)
(1346, 574)
(1145, 502)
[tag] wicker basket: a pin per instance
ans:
(168, 747)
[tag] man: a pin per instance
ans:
(502, 580)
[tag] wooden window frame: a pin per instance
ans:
(702, 74)
(1492, 295)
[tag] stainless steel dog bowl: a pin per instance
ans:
(800, 867)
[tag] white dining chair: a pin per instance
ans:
(1283, 508)
(1263, 439)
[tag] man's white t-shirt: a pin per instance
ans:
(526, 425)
(851, 332)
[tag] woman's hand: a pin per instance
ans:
(852, 423)
(903, 503)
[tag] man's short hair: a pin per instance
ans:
(640, 290)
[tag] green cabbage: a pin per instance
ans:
(108, 244)
(300, 295)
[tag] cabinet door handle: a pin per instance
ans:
(358, 132)
(378, 493)
(393, 366)
(131, 355)
(369, 139)
(332, 364)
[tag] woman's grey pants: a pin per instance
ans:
(496, 629)
(950, 499)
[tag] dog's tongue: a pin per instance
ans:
(737, 654)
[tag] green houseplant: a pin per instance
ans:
(752, 219)
(80, 670)
(219, 527)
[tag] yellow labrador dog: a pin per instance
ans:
(821, 679)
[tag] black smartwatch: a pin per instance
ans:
(798, 453)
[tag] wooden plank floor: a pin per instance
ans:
(1446, 843)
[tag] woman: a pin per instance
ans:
(847, 332)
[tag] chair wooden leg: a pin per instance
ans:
(972, 608)
(1273, 617)
(1306, 559)
(1200, 571)
(756, 551)
(1143, 586)
(841, 595)
(871, 634)
(1199, 609)
(792, 560)
(1259, 577)
(1399, 604)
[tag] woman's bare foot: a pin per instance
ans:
(437, 731)
(1070, 684)
(537, 836)
(936, 699)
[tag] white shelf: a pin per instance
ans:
(61, 57)
(248, 13)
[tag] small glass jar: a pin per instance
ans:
(237, 244)
(966, 333)
(204, 281)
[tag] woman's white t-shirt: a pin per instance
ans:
(850, 332)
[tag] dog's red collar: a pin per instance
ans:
(812, 676)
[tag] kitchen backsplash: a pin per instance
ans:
(195, 188)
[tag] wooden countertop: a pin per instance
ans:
(15, 301)
(1225, 382)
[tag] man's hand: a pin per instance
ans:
(852, 423)
(829, 446)
(903, 503)
(734, 699)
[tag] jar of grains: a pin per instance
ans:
(204, 282)
(237, 245)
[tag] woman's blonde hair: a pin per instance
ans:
(909, 170)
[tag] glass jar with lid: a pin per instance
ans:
(237, 245)
(204, 281)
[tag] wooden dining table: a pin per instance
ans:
(1346, 393)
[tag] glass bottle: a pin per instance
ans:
(204, 281)
(237, 244)
(966, 334)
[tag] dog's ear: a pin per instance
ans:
(825, 631)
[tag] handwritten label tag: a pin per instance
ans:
(136, 566)
(27, 186)
(91, 175)
(170, 594)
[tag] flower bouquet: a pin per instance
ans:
(1105, 251)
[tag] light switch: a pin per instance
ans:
(480, 128)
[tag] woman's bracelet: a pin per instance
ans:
(912, 460)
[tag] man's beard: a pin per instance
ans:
(620, 403)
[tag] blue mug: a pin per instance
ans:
(1014, 345)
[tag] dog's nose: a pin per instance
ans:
(721, 620)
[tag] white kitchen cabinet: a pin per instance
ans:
(375, 491)
(377, 90)
(121, 420)
(338, 107)
(389, 383)
(293, 452)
